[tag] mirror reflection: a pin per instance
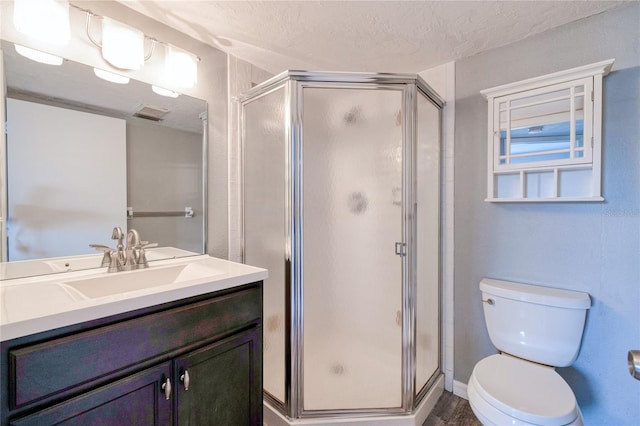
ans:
(544, 142)
(544, 127)
(85, 155)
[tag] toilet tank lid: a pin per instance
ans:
(536, 294)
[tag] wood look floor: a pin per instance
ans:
(451, 410)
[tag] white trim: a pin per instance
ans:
(598, 68)
(460, 389)
(448, 120)
(233, 162)
(492, 123)
(596, 133)
(3, 171)
(546, 200)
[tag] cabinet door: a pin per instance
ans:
(135, 400)
(221, 384)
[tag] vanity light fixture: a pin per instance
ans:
(38, 56)
(181, 67)
(164, 92)
(123, 46)
(46, 21)
(109, 76)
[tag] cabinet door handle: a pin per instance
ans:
(185, 379)
(166, 386)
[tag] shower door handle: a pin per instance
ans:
(400, 249)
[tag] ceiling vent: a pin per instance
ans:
(151, 112)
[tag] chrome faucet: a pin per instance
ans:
(125, 258)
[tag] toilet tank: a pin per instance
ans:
(540, 324)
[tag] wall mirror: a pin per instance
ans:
(84, 155)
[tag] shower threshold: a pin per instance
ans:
(273, 418)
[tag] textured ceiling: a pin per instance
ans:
(382, 36)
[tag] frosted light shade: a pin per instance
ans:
(38, 56)
(43, 20)
(164, 92)
(109, 76)
(181, 67)
(122, 45)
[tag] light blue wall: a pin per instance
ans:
(591, 247)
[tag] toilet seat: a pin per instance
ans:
(525, 391)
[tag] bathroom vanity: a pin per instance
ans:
(181, 344)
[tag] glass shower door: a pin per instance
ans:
(352, 278)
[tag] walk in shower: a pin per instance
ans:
(341, 202)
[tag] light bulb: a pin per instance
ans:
(181, 67)
(122, 45)
(44, 20)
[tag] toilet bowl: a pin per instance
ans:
(536, 328)
(504, 390)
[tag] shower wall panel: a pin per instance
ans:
(427, 237)
(265, 233)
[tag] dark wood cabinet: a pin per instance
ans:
(192, 362)
(135, 400)
(222, 386)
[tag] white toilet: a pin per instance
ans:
(535, 329)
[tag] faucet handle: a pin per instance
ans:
(115, 263)
(142, 254)
(106, 258)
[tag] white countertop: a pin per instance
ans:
(36, 304)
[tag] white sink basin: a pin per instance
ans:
(125, 282)
(18, 301)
